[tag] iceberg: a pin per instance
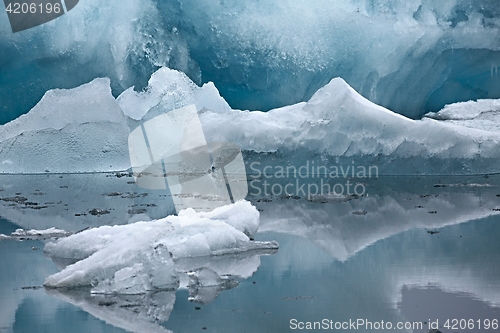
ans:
(339, 126)
(169, 90)
(139, 257)
(76, 130)
(483, 114)
(204, 278)
(336, 126)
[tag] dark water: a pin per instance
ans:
(411, 250)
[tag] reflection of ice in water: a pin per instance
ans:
(345, 226)
(205, 285)
(380, 254)
(204, 277)
(134, 313)
(204, 252)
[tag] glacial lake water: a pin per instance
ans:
(413, 249)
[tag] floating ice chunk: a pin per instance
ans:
(337, 122)
(144, 311)
(75, 130)
(483, 114)
(37, 234)
(91, 102)
(243, 217)
(108, 270)
(466, 110)
(138, 257)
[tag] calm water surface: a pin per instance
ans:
(411, 250)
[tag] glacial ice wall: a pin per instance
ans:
(410, 56)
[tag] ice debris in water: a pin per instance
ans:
(37, 234)
(141, 257)
(483, 114)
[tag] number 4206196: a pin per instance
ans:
(463, 324)
(33, 8)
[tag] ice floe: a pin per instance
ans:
(22, 234)
(139, 257)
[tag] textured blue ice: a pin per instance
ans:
(412, 56)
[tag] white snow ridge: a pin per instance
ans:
(141, 257)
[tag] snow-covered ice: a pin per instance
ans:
(483, 114)
(140, 257)
(337, 123)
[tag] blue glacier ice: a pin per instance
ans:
(411, 56)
